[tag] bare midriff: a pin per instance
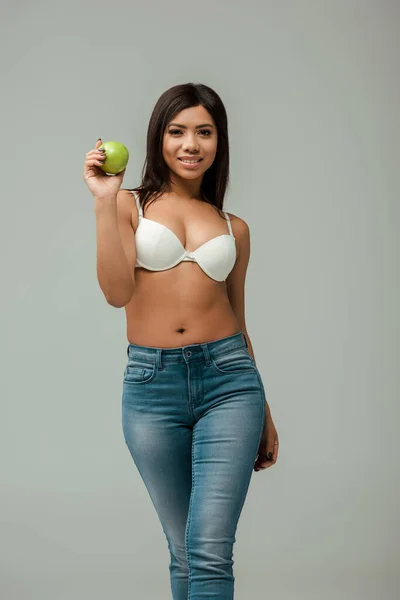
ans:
(177, 307)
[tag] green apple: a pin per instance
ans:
(116, 157)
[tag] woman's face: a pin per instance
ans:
(192, 133)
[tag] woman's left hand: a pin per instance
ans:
(269, 445)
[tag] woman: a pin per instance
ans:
(194, 413)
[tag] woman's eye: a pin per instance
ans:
(205, 132)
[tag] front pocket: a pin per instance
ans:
(139, 373)
(238, 361)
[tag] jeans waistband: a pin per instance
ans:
(189, 353)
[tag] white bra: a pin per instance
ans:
(158, 248)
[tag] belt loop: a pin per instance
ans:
(158, 361)
(206, 353)
(127, 351)
(245, 340)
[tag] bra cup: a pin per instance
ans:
(157, 246)
(217, 257)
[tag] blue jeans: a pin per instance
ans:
(192, 419)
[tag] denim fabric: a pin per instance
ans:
(192, 419)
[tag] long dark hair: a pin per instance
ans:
(155, 172)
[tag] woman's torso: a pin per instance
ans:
(181, 305)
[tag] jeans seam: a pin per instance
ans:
(238, 372)
(189, 520)
(189, 395)
(142, 381)
(263, 409)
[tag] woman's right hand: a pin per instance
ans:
(99, 183)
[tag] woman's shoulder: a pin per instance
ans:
(239, 222)
(240, 228)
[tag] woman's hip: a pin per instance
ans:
(187, 381)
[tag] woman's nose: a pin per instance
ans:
(190, 144)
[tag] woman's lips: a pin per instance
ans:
(190, 165)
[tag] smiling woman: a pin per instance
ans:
(194, 412)
(205, 130)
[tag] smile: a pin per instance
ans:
(191, 161)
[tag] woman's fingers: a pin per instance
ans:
(95, 153)
(94, 160)
(94, 157)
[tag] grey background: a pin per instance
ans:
(312, 94)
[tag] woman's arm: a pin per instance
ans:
(116, 251)
(236, 279)
(235, 282)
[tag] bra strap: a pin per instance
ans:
(229, 223)
(140, 210)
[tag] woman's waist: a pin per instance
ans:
(180, 303)
(166, 328)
